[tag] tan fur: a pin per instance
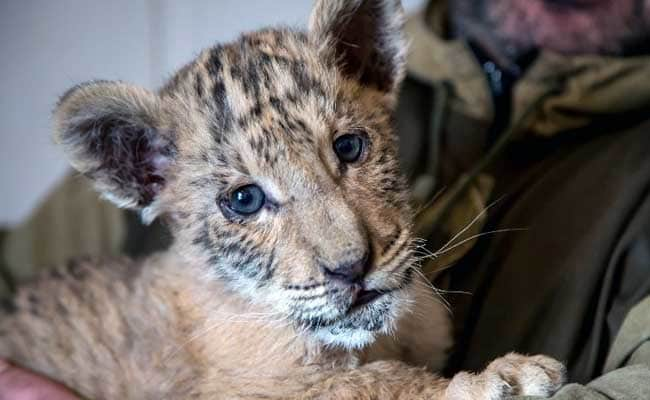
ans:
(183, 338)
(244, 307)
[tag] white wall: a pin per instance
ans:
(48, 46)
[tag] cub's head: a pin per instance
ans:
(274, 160)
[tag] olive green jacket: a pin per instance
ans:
(548, 226)
(626, 374)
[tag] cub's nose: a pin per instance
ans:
(349, 271)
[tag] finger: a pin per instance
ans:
(18, 384)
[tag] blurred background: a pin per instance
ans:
(48, 46)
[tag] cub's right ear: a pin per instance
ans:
(115, 134)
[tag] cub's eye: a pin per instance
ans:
(349, 148)
(246, 200)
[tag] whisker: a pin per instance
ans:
(470, 224)
(425, 281)
(426, 284)
(478, 235)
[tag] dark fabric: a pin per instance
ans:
(628, 383)
(573, 173)
(415, 113)
(563, 286)
(143, 240)
(6, 280)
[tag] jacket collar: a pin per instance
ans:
(579, 89)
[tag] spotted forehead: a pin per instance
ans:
(267, 92)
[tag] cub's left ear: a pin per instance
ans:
(114, 133)
(365, 37)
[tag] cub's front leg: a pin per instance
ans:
(511, 375)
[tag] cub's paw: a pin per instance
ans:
(511, 375)
(528, 375)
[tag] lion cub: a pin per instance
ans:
(293, 272)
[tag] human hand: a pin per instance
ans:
(18, 384)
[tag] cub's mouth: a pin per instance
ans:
(365, 297)
(371, 312)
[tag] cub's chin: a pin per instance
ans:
(363, 324)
